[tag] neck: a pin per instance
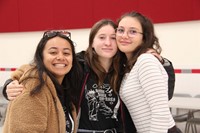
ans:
(128, 56)
(106, 63)
(60, 79)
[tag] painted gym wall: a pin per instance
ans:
(180, 42)
(177, 25)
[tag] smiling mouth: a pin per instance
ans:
(60, 65)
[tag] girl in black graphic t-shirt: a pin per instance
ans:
(99, 104)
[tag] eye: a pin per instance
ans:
(133, 32)
(66, 53)
(119, 30)
(53, 52)
(102, 37)
(113, 37)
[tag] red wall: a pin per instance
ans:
(35, 15)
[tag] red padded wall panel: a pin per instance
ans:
(73, 14)
(166, 10)
(113, 9)
(9, 20)
(25, 15)
(35, 15)
(196, 9)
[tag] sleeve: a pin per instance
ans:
(4, 88)
(15, 75)
(153, 79)
(28, 114)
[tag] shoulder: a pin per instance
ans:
(80, 56)
(17, 74)
(81, 59)
(147, 59)
(148, 63)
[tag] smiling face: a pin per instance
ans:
(130, 35)
(104, 43)
(57, 57)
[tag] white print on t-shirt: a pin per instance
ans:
(99, 99)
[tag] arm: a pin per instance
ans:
(169, 69)
(153, 79)
(4, 88)
(12, 89)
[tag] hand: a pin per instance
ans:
(158, 56)
(14, 89)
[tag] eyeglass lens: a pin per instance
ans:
(54, 33)
(130, 32)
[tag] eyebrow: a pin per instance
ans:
(57, 48)
(129, 28)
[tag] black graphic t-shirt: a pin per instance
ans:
(99, 107)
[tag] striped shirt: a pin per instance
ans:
(145, 93)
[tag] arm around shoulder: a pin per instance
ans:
(4, 88)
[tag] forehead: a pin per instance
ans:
(58, 42)
(106, 29)
(130, 22)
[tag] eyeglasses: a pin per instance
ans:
(53, 33)
(131, 33)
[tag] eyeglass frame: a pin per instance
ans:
(53, 33)
(131, 35)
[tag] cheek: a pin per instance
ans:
(96, 48)
(115, 47)
(139, 40)
(117, 42)
(46, 62)
(70, 60)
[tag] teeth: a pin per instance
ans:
(59, 65)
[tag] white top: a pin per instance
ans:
(145, 93)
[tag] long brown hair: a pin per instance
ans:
(149, 38)
(92, 57)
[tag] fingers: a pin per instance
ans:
(14, 89)
(153, 52)
(150, 51)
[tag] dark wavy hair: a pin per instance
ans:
(92, 57)
(68, 91)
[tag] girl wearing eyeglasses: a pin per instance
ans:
(47, 103)
(145, 84)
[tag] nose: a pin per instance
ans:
(108, 42)
(60, 56)
(125, 34)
